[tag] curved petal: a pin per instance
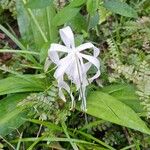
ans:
(72, 72)
(95, 62)
(53, 52)
(61, 94)
(53, 56)
(91, 59)
(47, 64)
(64, 85)
(62, 66)
(88, 46)
(67, 37)
(87, 66)
(58, 48)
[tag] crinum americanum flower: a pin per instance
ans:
(74, 63)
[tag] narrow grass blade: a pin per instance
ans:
(12, 37)
(65, 131)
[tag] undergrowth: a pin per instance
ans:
(44, 120)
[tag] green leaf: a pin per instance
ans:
(78, 23)
(121, 8)
(126, 93)
(106, 107)
(30, 32)
(24, 83)
(34, 4)
(77, 3)
(65, 15)
(103, 13)
(92, 6)
(11, 115)
(44, 52)
(94, 20)
(79, 39)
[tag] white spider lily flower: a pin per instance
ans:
(74, 63)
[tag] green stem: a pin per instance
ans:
(18, 51)
(49, 23)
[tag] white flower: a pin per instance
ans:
(74, 63)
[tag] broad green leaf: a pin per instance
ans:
(30, 32)
(77, 3)
(24, 23)
(24, 83)
(44, 18)
(126, 94)
(11, 116)
(94, 20)
(34, 4)
(79, 39)
(78, 23)
(92, 6)
(106, 107)
(121, 8)
(65, 15)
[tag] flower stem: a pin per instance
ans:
(83, 106)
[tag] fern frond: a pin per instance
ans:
(9, 5)
(45, 105)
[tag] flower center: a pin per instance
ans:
(74, 51)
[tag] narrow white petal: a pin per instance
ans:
(72, 102)
(88, 46)
(95, 76)
(58, 48)
(61, 94)
(62, 66)
(87, 66)
(95, 62)
(91, 59)
(67, 37)
(54, 57)
(63, 85)
(47, 64)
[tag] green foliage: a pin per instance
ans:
(11, 115)
(77, 3)
(136, 71)
(94, 20)
(78, 23)
(45, 106)
(92, 6)
(125, 60)
(120, 8)
(143, 86)
(9, 5)
(22, 83)
(113, 137)
(106, 107)
(36, 25)
(38, 4)
(65, 15)
(126, 94)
